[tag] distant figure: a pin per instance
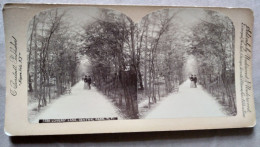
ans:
(195, 81)
(85, 79)
(192, 81)
(89, 82)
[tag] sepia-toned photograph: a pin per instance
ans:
(96, 64)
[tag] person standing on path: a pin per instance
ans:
(192, 81)
(89, 82)
(85, 79)
(195, 81)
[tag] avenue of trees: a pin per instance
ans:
(133, 62)
(130, 62)
(166, 47)
(110, 44)
(213, 46)
(52, 56)
(162, 55)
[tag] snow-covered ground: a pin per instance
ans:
(189, 102)
(81, 103)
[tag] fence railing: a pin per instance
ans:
(224, 91)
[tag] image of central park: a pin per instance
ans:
(86, 62)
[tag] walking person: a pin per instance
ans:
(192, 81)
(85, 79)
(195, 81)
(89, 82)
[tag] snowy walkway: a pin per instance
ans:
(80, 104)
(189, 102)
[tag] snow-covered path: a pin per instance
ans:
(189, 102)
(81, 103)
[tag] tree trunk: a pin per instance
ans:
(35, 66)
(145, 62)
(29, 56)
